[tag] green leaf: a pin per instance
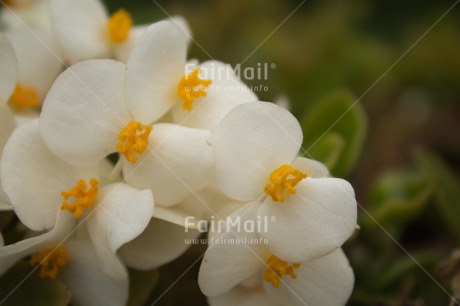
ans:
(334, 131)
(141, 285)
(17, 287)
(330, 149)
(399, 196)
(447, 190)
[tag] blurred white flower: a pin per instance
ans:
(7, 126)
(86, 31)
(37, 63)
(256, 147)
(31, 13)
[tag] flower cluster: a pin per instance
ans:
(110, 138)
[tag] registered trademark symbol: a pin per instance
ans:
(273, 218)
(273, 66)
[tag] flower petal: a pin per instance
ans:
(80, 26)
(121, 214)
(160, 243)
(327, 280)
(315, 221)
(9, 68)
(89, 285)
(225, 92)
(39, 58)
(154, 69)
(7, 126)
(123, 51)
(251, 142)
(207, 203)
(227, 264)
(310, 167)
(65, 223)
(7, 261)
(244, 297)
(34, 178)
(179, 161)
(85, 111)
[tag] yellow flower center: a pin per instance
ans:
(191, 87)
(276, 268)
(134, 138)
(51, 261)
(84, 195)
(24, 97)
(119, 25)
(282, 182)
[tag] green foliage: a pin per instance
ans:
(334, 131)
(447, 192)
(399, 196)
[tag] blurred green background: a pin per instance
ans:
(390, 71)
(376, 86)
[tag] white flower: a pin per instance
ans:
(49, 194)
(249, 274)
(86, 31)
(199, 95)
(256, 148)
(7, 126)
(76, 264)
(37, 64)
(88, 283)
(9, 71)
(87, 116)
(160, 243)
(33, 13)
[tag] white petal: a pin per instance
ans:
(244, 297)
(310, 167)
(89, 285)
(325, 281)
(251, 142)
(225, 92)
(85, 111)
(39, 58)
(178, 162)
(315, 221)
(207, 203)
(65, 223)
(7, 261)
(80, 26)
(8, 68)
(154, 69)
(160, 243)
(123, 51)
(7, 125)
(121, 214)
(34, 178)
(227, 264)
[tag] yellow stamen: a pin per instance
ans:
(134, 138)
(51, 261)
(24, 97)
(119, 26)
(282, 182)
(276, 268)
(191, 87)
(85, 197)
